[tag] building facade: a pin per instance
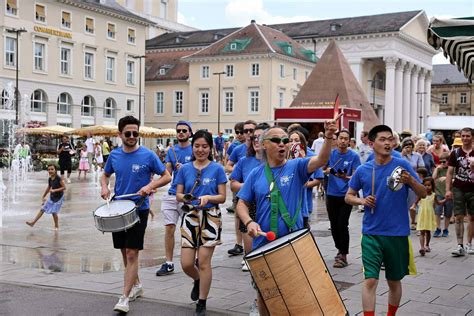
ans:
(77, 61)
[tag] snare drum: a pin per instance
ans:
(116, 216)
(292, 277)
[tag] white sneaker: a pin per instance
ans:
(136, 292)
(458, 252)
(122, 305)
(242, 263)
(469, 249)
(245, 268)
(68, 180)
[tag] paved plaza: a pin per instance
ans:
(81, 259)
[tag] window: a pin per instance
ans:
(130, 105)
(204, 72)
(160, 102)
(282, 71)
(228, 131)
(229, 101)
(281, 99)
(40, 13)
(255, 70)
(87, 106)
(130, 72)
(11, 7)
(5, 101)
(110, 31)
(65, 61)
(38, 101)
(162, 71)
(463, 98)
(233, 46)
(39, 56)
(163, 9)
(178, 102)
(10, 52)
(110, 69)
(66, 19)
(131, 36)
(88, 65)
(89, 26)
(254, 101)
(64, 103)
(204, 102)
(444, 98)
(294, 73)
(109, 108)
(229, 71)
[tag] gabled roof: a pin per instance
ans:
(331, 76)
(447, 74)
(256, 39)
(175, 67)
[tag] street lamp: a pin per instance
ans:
(139, 85)
(219, 100)
(17, 52)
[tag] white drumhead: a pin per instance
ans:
(277, 243)
(115, 208)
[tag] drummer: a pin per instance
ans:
(279, 180)
(133, 166)
(385, 228)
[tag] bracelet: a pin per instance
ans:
(250, 221)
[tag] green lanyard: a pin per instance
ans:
(278, 205)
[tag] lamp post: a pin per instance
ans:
(219, 100)
(139, 85)
(17, 52)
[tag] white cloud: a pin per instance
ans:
(241, 12)
(439, 59)
(182, 19)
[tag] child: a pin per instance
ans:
(439, 175)
(52, 206)
(426, 216)
(83, 162)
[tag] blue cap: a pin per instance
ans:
(187, 123)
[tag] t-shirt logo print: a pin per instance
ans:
(393, 181)
(207, 181)
(135, 167)
(285, 180)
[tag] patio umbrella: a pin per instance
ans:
(49, 130)
(150, 132)
(96, 130)
(456, 38)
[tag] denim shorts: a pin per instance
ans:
(447, 206)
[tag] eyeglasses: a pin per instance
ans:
(184, 131)
(278, 140)
(255, 138)
(249, 130)
(129, 133)
(239, 132)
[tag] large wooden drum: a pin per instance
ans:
(292, 277)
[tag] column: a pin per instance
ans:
(427, 98)
(370, 76)
(421, 101)
(356, 66)
(389, 114)
(399, 95)
(413, 98)
(406, 97)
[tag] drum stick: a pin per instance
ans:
(126, 195)
(269, 235)
(373, 187)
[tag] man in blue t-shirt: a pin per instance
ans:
(134, 167)
(219, 148)
(385, 182)
(176, 156)
(239, 139)
(341, 165)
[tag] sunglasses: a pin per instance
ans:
(129, 134)
(255, 138)
(239, 132)
(184, 131)
(278, 140)
(249, 130)
(442, 161)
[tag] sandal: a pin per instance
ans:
(422, 252)
(340, 263)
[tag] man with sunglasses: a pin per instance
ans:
(134, 166)
(239, 139)
(237, 153)
(176, 156)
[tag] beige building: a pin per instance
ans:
(78, 62)
(241, 76)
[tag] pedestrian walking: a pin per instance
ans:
(65, 152)
(426, 215)
(445, 208)
(83, 162)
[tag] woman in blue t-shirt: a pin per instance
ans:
(201, 187)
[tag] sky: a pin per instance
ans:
(214, 14)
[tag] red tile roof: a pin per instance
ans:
(175, 67)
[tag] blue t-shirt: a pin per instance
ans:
(243, 168)
(133, 171)
(346, 162)
(219, 142)
(290, 182)
(232, 146)
(211, 177)
(184, 155)
(394, 153)
(238, 153)
(390, 216)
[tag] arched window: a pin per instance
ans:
(379, 81)
(38, 101)
(4, 99)
(110, 107)
(88, 105)
(64, 103)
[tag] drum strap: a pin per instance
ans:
(278, 205)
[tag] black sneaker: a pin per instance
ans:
(237, 250)
(195, 291)
(165, 269)
(200, 310)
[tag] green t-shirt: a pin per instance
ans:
(441, 185)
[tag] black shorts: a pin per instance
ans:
(65, 165)
(253, 216)
(134, 237)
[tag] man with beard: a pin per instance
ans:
(342, 164)
(134, 167)
(176, 156)
(65, 152)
